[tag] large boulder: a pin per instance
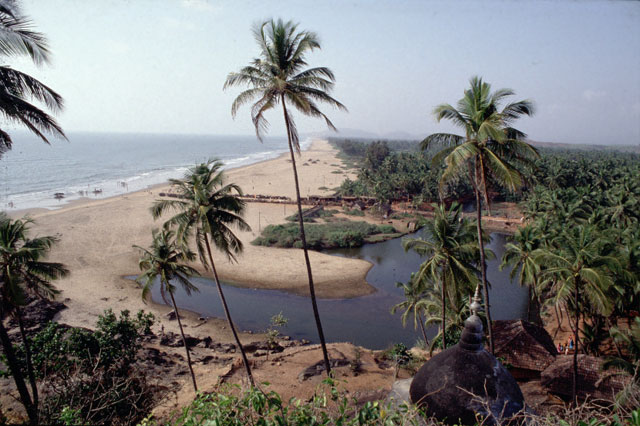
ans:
(465, 382)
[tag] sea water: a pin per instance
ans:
(99, 165)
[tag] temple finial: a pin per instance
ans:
(475, 304)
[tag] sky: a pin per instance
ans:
(158, 66)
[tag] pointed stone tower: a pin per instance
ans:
(465, 382)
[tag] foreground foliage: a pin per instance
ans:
(322, 236)
(90, 376)
(233, 407)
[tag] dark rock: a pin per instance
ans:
(465, 382)
(205, 343)
(317, 368)
(37, 313)
(525, 346)
(592, 382)
(174, 340)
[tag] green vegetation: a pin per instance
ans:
(490, 152)
(323, 236)
(207, 209)
(311, 217)
(280, 77)
(91, 376)
(17, 40)
(451, 251)
(23, 274)
(329, 406)
(165, 261)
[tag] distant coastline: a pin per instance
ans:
(96, 166)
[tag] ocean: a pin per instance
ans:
(99, 165)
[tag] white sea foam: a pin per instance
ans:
(104, 165)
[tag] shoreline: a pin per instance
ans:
(97, 238)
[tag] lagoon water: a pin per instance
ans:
(113, 163)
(364, 321)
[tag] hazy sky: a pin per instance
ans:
(159, 65)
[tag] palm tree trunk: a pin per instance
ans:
(7, 348)
(475, 182)
(424, 333)
(27, 350)
(184, 341)
(444, 309)
(574, 385)
(483, 270)
(312, 292)
(228, 315)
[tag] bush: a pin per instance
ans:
(253, 407)
(88, 377)
(320, 236)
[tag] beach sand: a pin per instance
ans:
(97, 238)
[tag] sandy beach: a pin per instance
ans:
(97, 238)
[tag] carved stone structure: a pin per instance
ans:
(465, 382)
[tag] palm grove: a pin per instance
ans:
(579, 252)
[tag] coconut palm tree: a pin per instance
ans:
(518, 253)
(579, 267)
(414, 303)
(279, 77)
(490, 152)
(17, 89)
(164, 260)
(450, 249)
(23, 272)
(207, 209)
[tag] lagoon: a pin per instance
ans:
(365, 321)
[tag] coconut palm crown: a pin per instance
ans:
(279, 75)
(491, 151)
(17, 89)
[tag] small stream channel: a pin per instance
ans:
(364, 321)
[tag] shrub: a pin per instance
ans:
(88, 377)
(320, 236)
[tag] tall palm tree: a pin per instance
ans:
(164, 261)
(279, 76)
(17, 89)
(23, 272)
(450, 249)
(490, 151)
(518, 253)
(414, 303)
(579, 267)
(208, 208)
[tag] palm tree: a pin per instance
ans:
(450, 249)
(579, 267)
(518, 253)
(24, 272)
(278, 77)
(164, 260)
(414, 303)
(17, 89)
(490, 151)
(208, 208)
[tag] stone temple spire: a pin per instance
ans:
(465, 382)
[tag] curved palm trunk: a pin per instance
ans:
(7, 348)
(27, 350)
(312, 292)
(574, 384)
(184, 341)
(245, 361)
(424, 333)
